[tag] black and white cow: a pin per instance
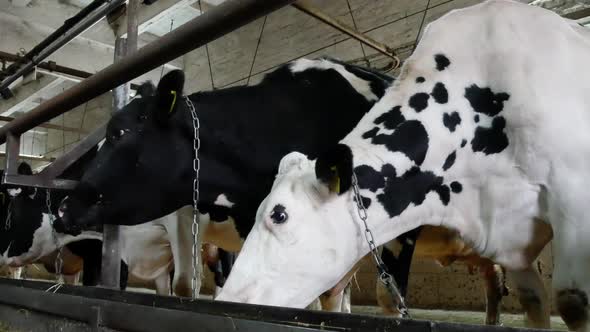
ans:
(151, 252)
(144, 169)
(305, 105)
(478, 135)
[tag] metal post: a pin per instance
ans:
(111, 242)
(214, 23)
(12, 152)
(132, 9)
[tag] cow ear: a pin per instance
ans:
(334, 169)
(24, 169)
(146, 89)
(169, 93)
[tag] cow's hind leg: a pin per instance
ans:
(571, 287)
(332, 301)
(494, 290)
(532, 296)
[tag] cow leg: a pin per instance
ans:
(163, 284)
(397, 257)
(494, 289)
(124, 276)
(346, 299)
(315, 305)
(332, 302)
(16, 272)
(571, 286)
(71, 279)
(532, 296)
(181, 242)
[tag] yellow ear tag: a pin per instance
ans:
(173, 101)
(335, 183)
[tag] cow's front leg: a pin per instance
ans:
(181, 242)
(532, 296)
(494, 290)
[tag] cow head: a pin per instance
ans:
(306, 236)
(148, 145)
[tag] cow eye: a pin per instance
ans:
(279, 215)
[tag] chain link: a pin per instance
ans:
(8, 222)
(58, 259)
(384, 275)
(196, 169)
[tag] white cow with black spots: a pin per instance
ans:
(487, 132)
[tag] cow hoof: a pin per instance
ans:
(572, 305)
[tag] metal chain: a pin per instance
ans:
(8, 222)
(58, 259)
(196, 169)
(384, 275)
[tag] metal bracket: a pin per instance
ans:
(95, 318)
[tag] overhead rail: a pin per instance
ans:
(201, 30)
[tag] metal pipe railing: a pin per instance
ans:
(71, 28)
(213, 24)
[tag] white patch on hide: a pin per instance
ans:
(14, 192)
(222, 200)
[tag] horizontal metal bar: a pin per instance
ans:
(59, 40)
(49, 126)
(30, 157)
(129, 317)
(209, 26)
(236, 311)
(39, 182)
(51, 66)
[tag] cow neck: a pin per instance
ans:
(386, 227)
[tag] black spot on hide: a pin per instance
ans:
(410, 138)
(444, 194)
(440, 93)
(451, 121)
(420, 79)
(456, 187)
(412, 187)
(391, 119)
(371, 133)
(490, 140)
(369, 178)
(450, 161)
(419, 101)
(484, 101)
(442, 62)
